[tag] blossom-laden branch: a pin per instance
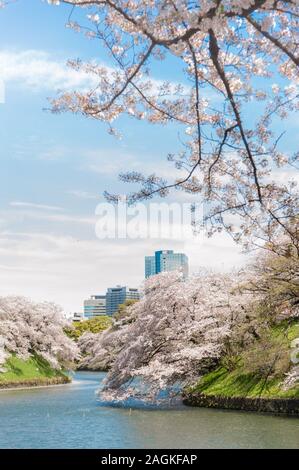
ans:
(233, 52)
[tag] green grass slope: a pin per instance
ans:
(240, 383)
(32, 372)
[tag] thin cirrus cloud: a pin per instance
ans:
(33, 205)
(110, 162)
(38, 214)
(81, 194)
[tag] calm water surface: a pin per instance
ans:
(71, 417)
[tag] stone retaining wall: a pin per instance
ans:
(288, 406)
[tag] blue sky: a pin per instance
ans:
(54, 169)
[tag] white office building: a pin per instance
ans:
(95, 306)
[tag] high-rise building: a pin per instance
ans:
(118, 295)
(149, 266)
(166, 260)
(95, 306)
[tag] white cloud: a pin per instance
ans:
(38, 215)
(283, 176)
(33, 205)
(78, 193)
(39, 70)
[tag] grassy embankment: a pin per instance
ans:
(33, 372)
(240, 383)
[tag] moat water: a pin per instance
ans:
(70, 416)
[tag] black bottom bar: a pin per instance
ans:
(139, 457)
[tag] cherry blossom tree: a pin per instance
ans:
(274, 281)
(99, 351)
(28, 328)
(97, 354)
(176, 332)
(181, 329)
(240, 58)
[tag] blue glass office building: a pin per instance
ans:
(118, 295)
(166, 260)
